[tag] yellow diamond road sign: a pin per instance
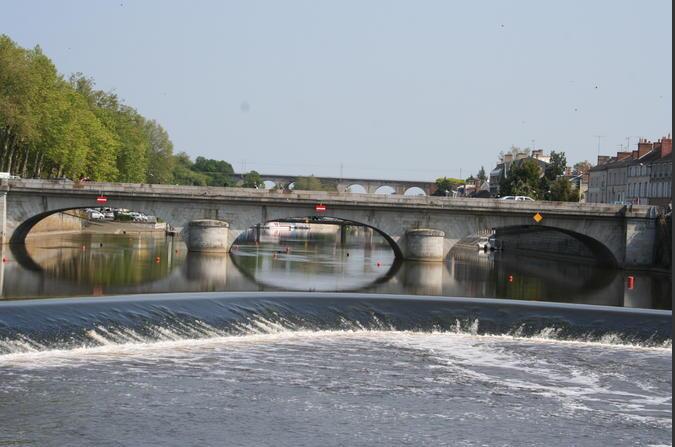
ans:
(538, 217)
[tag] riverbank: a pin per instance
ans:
(96, 227)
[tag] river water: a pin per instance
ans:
(109, 264)
(301, 369)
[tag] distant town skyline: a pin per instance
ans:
(380, 89)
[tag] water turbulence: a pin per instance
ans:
(354, 369)
(62, 324)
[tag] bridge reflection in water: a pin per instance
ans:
(94, 264)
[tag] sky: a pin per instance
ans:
(371, 88)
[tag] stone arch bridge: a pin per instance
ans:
(370, 186)
(613, 233)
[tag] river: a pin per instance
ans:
(583, 359)
(109, 264)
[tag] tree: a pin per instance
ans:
(218, 172)
(53, 127)
(445, 186)
(310, 183)
(522, 180)
(253, 180)
(160, 154)
(582, 167)
(556, 166)
(183, 174)
(481, 174)
(562, 191)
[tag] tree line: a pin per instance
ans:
(57, 127)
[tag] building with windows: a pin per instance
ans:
(643, 176)
(661, 177)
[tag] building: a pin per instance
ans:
(637, 188)
(661, 176)
(642, 176)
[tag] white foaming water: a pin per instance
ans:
(364, 370)
(126, 341)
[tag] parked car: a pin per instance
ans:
(521, 198)
(96, 215)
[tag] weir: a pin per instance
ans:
(67, 323)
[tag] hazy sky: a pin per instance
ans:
(390, 89)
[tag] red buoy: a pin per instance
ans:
(4, 259)
(630, 282)
(510, 278)
(157, 260)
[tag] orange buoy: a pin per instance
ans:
(157, 260)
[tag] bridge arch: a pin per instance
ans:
(414, 191)
(23, 229)
(330, 220)
(550, 240)
(385, 189)
(356, 188)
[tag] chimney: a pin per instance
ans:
(644, 147)
(622, 155)
(666, 146)
(602, 159)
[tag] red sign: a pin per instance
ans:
(101, 199)
(320, 207)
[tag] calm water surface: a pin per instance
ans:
(95, 264)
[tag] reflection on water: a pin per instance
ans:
(96, 264)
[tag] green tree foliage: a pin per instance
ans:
(217, 172)
(160, 154)
(310, 183)
(183, 173)
(522, 180)
(445, 185)
(52, 127)
(556, 166)
(253, 180)
(562, 191)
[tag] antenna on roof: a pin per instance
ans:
(599, 137)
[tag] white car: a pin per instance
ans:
(522, 198)
(95, 215)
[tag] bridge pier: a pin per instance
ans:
(209, 236)
(640, 240)
(424, 244)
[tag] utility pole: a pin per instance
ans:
(341, 169)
